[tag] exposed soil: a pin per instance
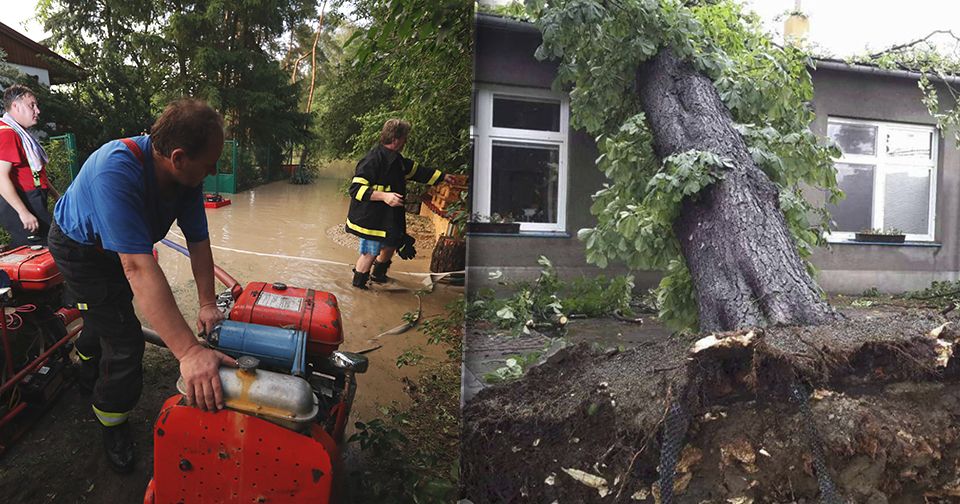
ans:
(883, 406)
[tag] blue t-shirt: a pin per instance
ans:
(114, 202)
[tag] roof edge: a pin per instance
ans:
(506, 23)
(517, 25)
(859, 68)
(41, 49)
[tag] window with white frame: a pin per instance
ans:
(521, 156)
(888, 172)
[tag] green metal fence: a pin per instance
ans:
(71, 142)
(240, 167)
(225, 181)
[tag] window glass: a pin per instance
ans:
(526, 114)
(907, 201)
(909, 143)
(854, 212)
(854, 138)
(525, 181)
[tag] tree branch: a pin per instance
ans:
(915, 42)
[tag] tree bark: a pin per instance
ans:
(313, 56)
(733, 235)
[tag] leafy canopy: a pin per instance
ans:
(767, 88)
(421, 51)
(137, 56)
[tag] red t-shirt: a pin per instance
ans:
(11, 150)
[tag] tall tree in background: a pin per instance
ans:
(116, 43)
(350, 92)
(141, 54)
(423, 51)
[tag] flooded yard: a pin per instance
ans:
(274, 233)
(279, 233)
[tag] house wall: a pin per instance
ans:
(42, 75)
(504, 55)
(33, 58)
(854, 267)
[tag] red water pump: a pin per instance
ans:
(35, 331)
(286, 406)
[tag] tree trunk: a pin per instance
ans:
(733, 236)
(450, 254)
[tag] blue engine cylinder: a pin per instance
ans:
(274, 346)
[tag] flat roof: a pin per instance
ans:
(522, 26)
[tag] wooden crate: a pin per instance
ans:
(440, 203)
(449, 191)
(459, 180)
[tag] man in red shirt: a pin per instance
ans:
(24, 187)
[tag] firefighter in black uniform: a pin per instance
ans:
(376, 212)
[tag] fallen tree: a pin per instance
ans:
(703, 128)
(702, 124)
(734, 239)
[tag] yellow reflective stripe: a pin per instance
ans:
(413, 171)
(380, 188)
(361, 192)
(387, 188)
(371, 232)
(82, 306)
(83, 357)
(436, 175)
(110, 419)
(361, 180)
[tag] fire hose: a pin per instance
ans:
(223, 276)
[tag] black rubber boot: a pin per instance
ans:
(118, 446)
(360, 279)
(379, 272)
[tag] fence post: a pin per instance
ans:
(70, 141)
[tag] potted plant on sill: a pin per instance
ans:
(891, 235)
(493, 224)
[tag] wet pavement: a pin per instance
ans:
(278, 233)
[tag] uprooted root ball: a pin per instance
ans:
(586, 425)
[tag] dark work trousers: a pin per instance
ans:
(36, 202)
(111, 331)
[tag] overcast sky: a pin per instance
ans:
(843, 27)
(847, 27)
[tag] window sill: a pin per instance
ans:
(527, 234)
(922, 244)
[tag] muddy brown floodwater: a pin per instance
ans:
(278, 233)
(274, 233)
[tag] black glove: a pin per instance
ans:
(406, 249)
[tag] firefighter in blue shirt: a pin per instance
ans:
(124, 200)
